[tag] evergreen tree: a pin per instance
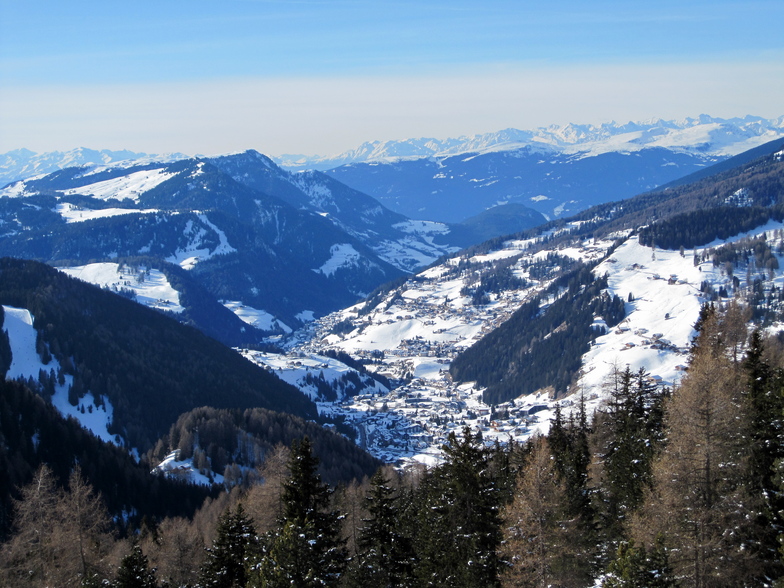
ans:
(233, 544)
(386, 556)
(458, 518)
(633, 419)
(765, 395)
(135, 571)
(308, 526)
(636, 567)
(568, 442)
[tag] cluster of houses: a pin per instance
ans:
(415, 420)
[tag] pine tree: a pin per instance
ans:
(226, 560)
(568, 442)
(766, 410)
(636, 567)
(633, 423)
(135, 571)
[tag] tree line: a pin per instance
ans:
(542, 343)
(659, 488)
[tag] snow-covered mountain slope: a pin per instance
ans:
(704, 134)
(23, 163)
(147, 286)
(412, 333)
(93, 414)
(325, 380)
(400, 242)
(242, 244)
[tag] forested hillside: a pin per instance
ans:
(148, 366)
(33, 433)
(660, 488)
(540, 348)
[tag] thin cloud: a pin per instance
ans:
(328, 115)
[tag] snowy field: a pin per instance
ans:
(260, 319)
(76, 214)
(26, 363)
(130, 186)
(420, 327)
(150, 286)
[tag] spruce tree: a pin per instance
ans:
(634, 432)
(386, 555)
(135, 570)
(765, 387)
(636, 567)
(226, 560)
(308, 527)
(458, 518)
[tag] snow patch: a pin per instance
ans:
(74, 214)
(131, 186)
(342, 255)
(150, 286)
(26, 363)
(195, 252)
(260, 319)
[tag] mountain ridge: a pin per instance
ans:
(705, 134)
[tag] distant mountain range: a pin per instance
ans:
(705, 135)
(23, 163)
(556, 171)
(291, 245)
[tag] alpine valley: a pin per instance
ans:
(408, 304)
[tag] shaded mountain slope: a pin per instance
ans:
(150, 368)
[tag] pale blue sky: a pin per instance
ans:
(316, 76)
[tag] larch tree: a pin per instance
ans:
(699, 501)
(536, 525)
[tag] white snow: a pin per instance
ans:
(704, 134)
(130, 186)
(74, 214)
(151, 286)
(414, 331)
(173, 467)
(26, 363)
(195, 251)
(260, 319)
(294, 368)
(305, 316)
(341, 255)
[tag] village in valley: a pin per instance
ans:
(411, 333)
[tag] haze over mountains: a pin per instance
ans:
(372, 333)
(552, 171)
(705, 134)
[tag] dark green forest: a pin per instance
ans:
(659, 488)
(149, 366)
(542, 344)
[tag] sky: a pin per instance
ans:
(319, 77)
